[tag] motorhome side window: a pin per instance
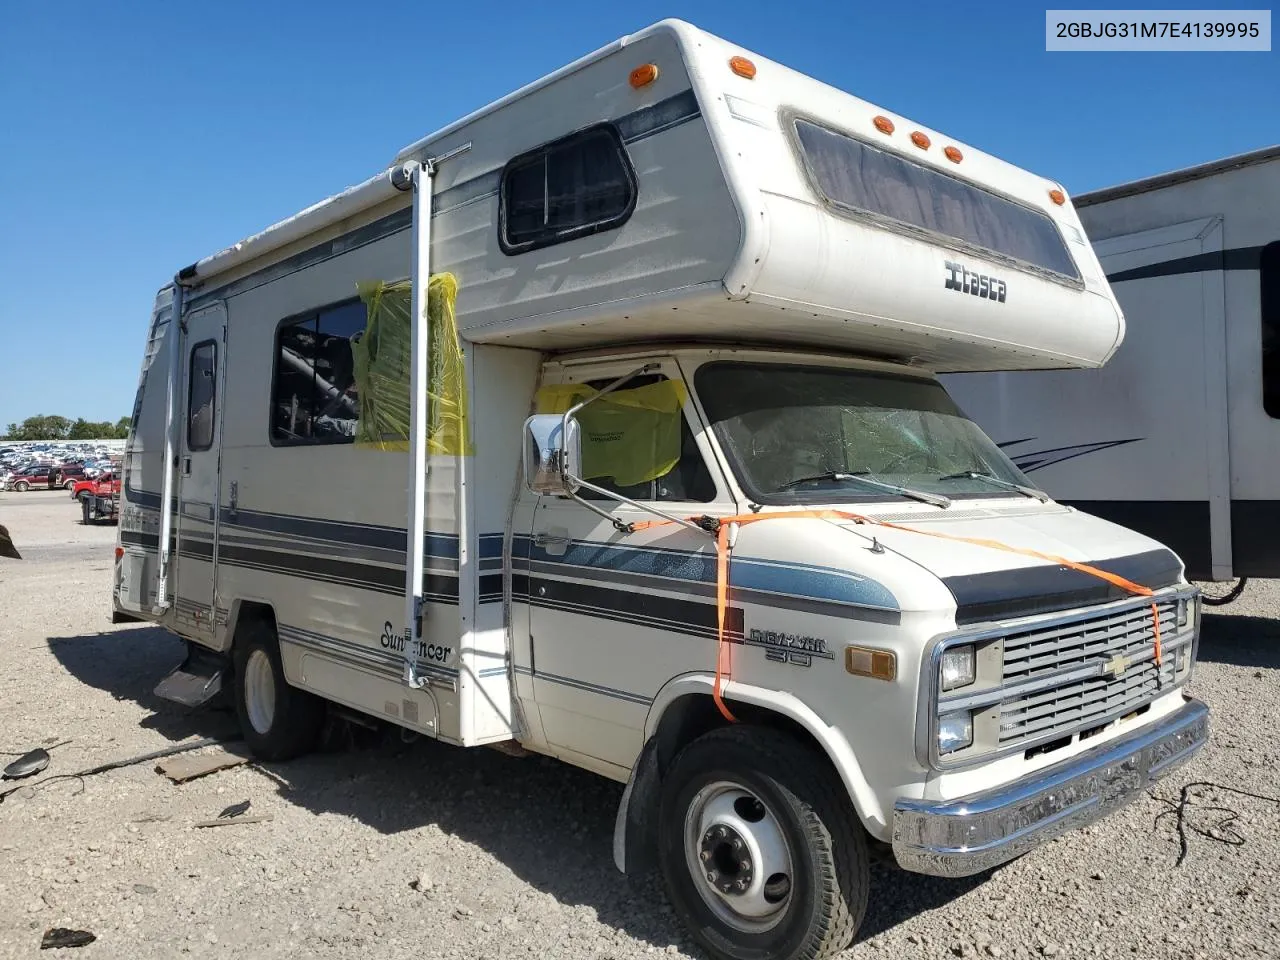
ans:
(569, 188)
(314, 397)
(858, 178)
(202, 376)
(1269, 279)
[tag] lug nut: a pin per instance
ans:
(711, 877)
(737, 844)
(705, 855)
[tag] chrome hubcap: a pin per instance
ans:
(738, 856)
(260, 692)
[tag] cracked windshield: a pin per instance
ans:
(800, 434)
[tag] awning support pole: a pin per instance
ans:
(167, 505)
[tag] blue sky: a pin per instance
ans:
(136, 137)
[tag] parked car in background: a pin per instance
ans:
(28, 477)
(65, 475)
(104, 483)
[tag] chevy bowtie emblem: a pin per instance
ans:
(1116, 666)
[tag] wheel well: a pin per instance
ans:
(247, 613)
(694, 714)
(684, 720)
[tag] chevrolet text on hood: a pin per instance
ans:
(604, 424)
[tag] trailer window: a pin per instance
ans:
(1269, 275)
(314, 395)
(857, 178)
(202, 395)
(569, 188)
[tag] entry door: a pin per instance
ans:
(199, 466)
(614, 616)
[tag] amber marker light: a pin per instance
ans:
(870, 662)
(644, 75)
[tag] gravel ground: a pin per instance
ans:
(390, 850)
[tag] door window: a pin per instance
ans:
(636, 441)
(201, 395)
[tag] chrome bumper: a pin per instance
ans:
(957, 838)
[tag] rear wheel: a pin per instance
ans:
(278, 721)
(761, 851)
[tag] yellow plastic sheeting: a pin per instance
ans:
(382, 369)
(630, 436)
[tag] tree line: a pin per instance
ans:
(44, 427)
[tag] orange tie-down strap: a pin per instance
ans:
(724, 649)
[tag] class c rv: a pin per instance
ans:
(1179, 435)
(605, 423)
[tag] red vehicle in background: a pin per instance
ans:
(66, 475)
(98, 498)
(104, 485)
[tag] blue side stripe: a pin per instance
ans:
(771, 576)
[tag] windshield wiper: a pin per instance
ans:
(936, 499)
(997, 482)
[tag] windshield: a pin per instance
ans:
(783, 423)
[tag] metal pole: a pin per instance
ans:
(170, 446)
(419, 412)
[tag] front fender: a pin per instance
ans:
(630, 827)
(831, 739)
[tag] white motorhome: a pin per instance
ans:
(670, 491)
(1179, 435)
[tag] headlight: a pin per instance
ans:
(955, 731)
(957, 667)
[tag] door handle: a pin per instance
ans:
(555, 542)
(186, 466)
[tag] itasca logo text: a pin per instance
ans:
(963, 280)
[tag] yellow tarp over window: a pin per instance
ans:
(382, 368)
(630, 435)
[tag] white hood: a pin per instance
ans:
(989, 582)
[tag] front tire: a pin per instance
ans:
(760, 848)
(69, 485)
(278, 721)
(22, 486)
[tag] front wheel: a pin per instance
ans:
(69, 485)
(761, 851)
(22, 486)
(278, 721)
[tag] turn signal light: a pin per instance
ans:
(870, 662)
(952, 154)
(1058, 197)
(742, 67)
(920, 140)
(644, 75)
(883, 124)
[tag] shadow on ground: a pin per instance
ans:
(1239, 640)
(548, 822)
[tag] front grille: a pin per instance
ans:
(1085, 654)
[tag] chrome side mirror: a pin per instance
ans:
(552, 454)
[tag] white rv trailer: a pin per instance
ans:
(706, 522)
(1179, 435)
